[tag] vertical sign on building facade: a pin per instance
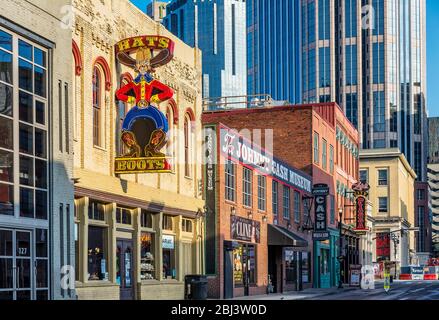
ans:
(210, 163)
(383, 246)
(145, 127)
(320, 192)
(360, 194)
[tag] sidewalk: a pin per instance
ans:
(312, 293)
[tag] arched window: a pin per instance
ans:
(187, 169)
(77, 72)
(188, 142)
(170, 144)
(97, 106)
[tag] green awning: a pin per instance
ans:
(279, 236)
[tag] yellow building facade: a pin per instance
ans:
(391, 196)
(137, 235)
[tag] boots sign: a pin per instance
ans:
(320, 192)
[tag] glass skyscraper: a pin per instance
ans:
(273, 49)
(369, 56)
(218, 28)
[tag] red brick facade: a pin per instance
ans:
(294, 129)
(223, 222)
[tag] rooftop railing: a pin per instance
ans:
(241, 102)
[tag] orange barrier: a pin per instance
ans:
(405, 277)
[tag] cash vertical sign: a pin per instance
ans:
(320, 192)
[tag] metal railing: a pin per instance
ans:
(240, 102)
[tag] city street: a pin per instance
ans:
(399, 290)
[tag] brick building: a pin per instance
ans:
(319, 140)
(36, 154)
(255, 211)
(137, 235)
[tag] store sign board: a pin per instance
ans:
(145, 127)
(245, 230)
(355, 275)
(320, 192)
(360, 206)
(417, 273)
(210, 167)
(238, 148)
(168, 242)
(383, 246)
(360, 193)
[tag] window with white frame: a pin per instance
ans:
(275, 197)
(247, 185)
(23, 78)
(286, 202)
(262, 192)
(230, 180)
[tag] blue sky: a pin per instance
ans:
(432, 53)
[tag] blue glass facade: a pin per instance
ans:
(218, 28)
(372, 63)
(273, 49)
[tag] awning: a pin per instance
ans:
(278, 236)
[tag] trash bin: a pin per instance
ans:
(195, 287)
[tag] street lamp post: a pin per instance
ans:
(395, 239)
(340, 256)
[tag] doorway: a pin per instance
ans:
(273, 268)
(124, 268)
(325, 279)
(16, 261)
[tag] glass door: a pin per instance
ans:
(6, 265)
(124, 272)
(15, 265)
(23, 259)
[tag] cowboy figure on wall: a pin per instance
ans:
(145, 127)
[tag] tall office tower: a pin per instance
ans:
(274, 48)
(433, 179)
(156, 10)
(369, 56)
(218, 28)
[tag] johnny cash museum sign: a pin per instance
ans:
(238, 148)
(320, 192)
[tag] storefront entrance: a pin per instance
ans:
(16, 261)
(124, 269)
(325, 274)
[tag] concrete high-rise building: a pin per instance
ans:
(391, 181)
(433, 179)
(218, 28)
(157, 10)
(274, 48)
(369, 56)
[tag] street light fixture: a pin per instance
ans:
(395, 239)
